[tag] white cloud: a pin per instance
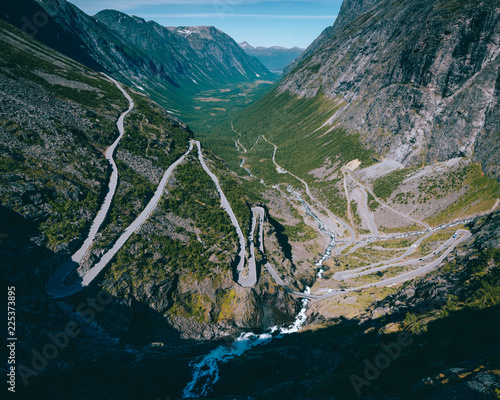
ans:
(229, 15)
(131, 4)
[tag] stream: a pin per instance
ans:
(321, 227)
(206, 371)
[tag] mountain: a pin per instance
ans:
(334, 238)
(246, 46)
(349, 10)
(398, 99)
(57, 120)
(224, 55)
(275, 58)
(410, 86)
(167, 64)
(431, 92)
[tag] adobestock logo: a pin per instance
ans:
(383, 360)
(224, 7)
(40, 19)
(389, 352)
(60, 340)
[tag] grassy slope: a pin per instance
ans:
(20, 64)
(148, 134)
(295, 126)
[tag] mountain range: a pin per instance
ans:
(275, 58)
(359, 195)
(391, 80)
(167, 63)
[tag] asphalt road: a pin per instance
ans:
(55, 286)
(243, 281)
(113, 181)
(331, 216)
(460, 236)
(248, 277)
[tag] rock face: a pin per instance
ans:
(423, 76)
(349, 10)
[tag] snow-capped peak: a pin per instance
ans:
(245, 46)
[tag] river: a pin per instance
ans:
(206, 371)
(321, 227)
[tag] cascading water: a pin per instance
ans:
(206, 371)
(321, 227)
(245, 168)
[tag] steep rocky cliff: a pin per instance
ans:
(417, 80)
(349, 10)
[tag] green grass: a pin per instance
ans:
(226, 301)
(482, 192)
(330, 194)
(373, 204)
(300, 232)
(355, 216)
(294, 125)
(290, 123)
(192, 305)
(260, 162)
(384, 186)
(150, 134)
(70, 197)
(402, 229)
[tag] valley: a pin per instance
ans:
(254, 236)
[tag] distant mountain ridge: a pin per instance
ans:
(141, 53)
(225, 55)
(275, 58)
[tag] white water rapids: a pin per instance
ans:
(321, 227)
(206, 371)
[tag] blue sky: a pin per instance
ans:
(260, 23)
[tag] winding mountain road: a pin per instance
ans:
(330, 215)
(55, 286)
(447, 247)
(462, 235)
(113, 180)
(251, 279)
(365, 190)
(247, 277)
(381, 266)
